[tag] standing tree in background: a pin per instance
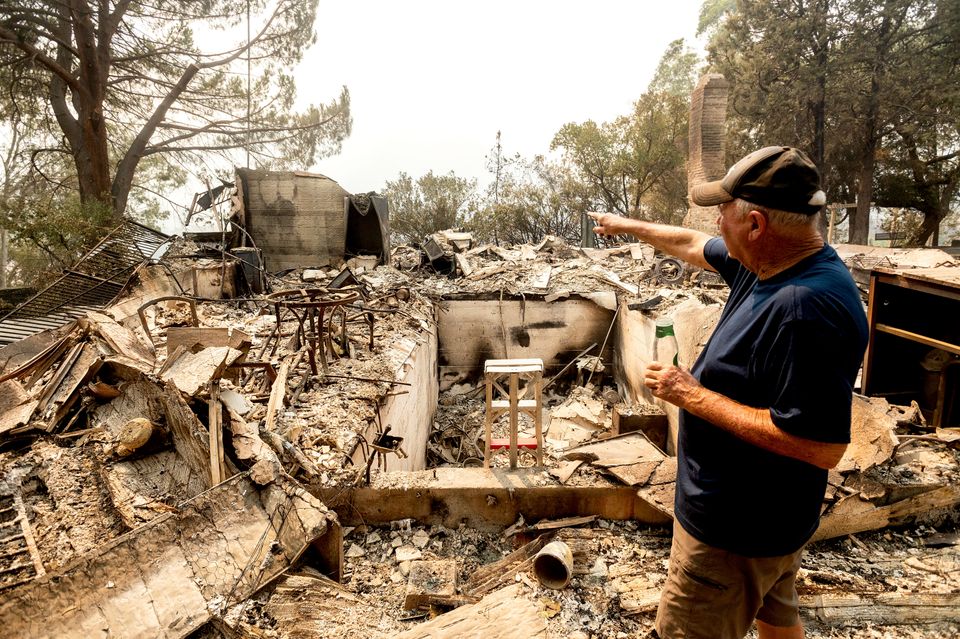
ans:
(123, 80)
(779, 57)
(501, 167)
(921, 171)
(677, 72)
(838, 78)
(429, 204)
(712, 13)
(918, 157)
(537, 198)
(635, 164)
(38, 227)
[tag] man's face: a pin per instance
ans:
(733, 228)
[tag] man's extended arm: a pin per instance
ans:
(753, 425)
(687, 244)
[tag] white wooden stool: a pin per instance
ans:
(495, 372)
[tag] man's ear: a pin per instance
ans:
(758, 224)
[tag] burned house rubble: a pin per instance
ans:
(222, 451)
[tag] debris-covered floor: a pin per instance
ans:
(868, 585)
(109, 446)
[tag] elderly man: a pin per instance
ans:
(765, 410)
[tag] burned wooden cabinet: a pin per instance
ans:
(914, 348)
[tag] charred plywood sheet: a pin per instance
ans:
(297, 219)
(170, 576)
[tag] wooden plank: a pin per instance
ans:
(505, 614)
(945, 279)
(445, 601)
(620, 450)
(660, 497)
(488, 577)
(172, 357)
(634, 474)
(872, 435)
(192, 371)
(190, 336)
(252, 451)
(47, 391)
(311, 605)
(916, 337)
(888, 608)
(641, 601)
(541, 278)
(666, 472)
(278, 392)
(283, 447)
(870, 356)
(566, 522)
(28, 532)
(15, 354)
(169, 577)
(16, 407)
(51, 358)
(17, 416)
(464, 264)
(505, 366)
(215, 426)
(565, 470)
(892, 608)
(141, 489)
(495, 500)
(44, 358)
(187, 431)
(68, 390)
(853, 515)
(329, 549)
(122, 340)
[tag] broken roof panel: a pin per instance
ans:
(93, 282)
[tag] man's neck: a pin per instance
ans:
(786, 253)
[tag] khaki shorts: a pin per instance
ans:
(715, 594)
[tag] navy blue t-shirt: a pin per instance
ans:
(792, 343)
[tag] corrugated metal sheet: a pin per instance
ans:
(93, 283)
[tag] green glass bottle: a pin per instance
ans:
(665, 348)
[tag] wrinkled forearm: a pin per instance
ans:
(755, 426)
(687, 244)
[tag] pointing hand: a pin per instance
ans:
(607, 223)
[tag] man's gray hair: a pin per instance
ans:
(780, 218)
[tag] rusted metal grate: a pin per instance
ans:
(93, 283)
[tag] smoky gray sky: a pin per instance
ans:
(432, 81)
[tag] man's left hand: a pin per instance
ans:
(670, 383)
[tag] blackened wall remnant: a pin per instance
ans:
(297, 219)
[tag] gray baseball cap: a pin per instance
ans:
(777, 177)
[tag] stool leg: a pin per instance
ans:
(538, 418)
(488, 423)
(514, 410)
